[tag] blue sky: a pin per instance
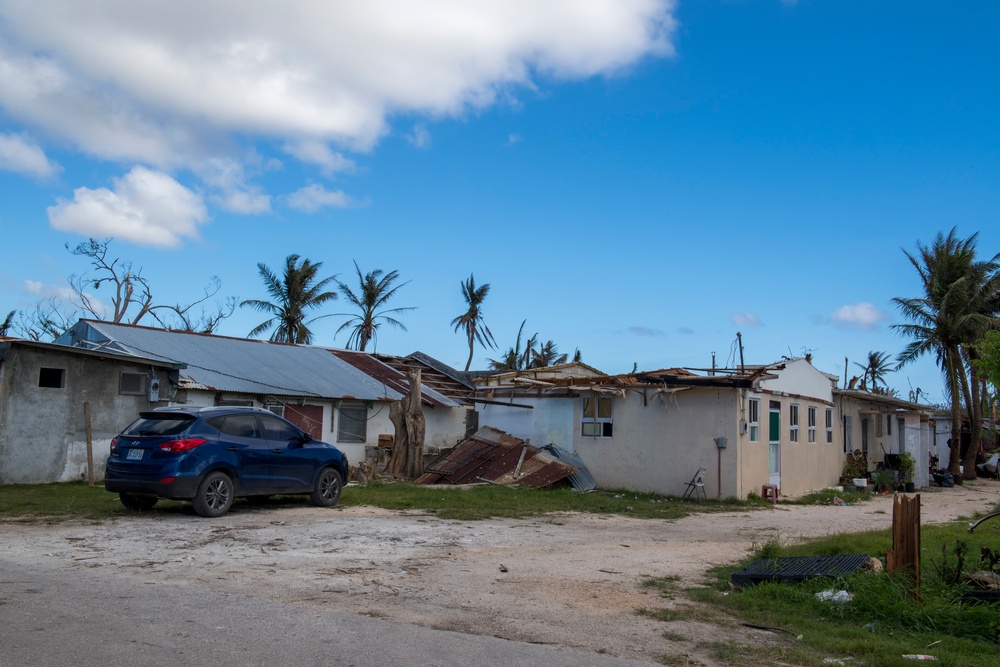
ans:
(635, 178)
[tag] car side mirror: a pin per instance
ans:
(306, 439)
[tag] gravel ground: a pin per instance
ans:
(571, 580)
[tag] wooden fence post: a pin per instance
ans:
(905, 552)
(90, 445)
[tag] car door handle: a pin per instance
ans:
(277, 451)
(232, 449)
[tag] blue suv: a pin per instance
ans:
(212, 455)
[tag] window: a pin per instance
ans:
(276, 408)
(793, 422)
(829, 425)
(878, 426)
(848, 433)
(240, 426)
(52, 378)
(352, 422)
(754, 419)
(888, 425)
(812, 424)
(132, 384)
(597, 421)
(279, 430)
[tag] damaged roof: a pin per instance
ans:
(245, 366)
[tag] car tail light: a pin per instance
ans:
(114, 446)
(182, 445)
(167, 480)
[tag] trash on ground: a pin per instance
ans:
(840, 597)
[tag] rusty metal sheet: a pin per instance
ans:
(494, 456)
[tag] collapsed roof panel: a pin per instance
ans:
(490, 455)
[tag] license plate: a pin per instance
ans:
(134, 455)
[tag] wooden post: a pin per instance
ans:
(90, 444)
(905, 552)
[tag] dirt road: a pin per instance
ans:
(568, 580)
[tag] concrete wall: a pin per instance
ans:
(43, 436)
(661, 439)
(805, 466)
(911, 432)
(548, 421)
(659, 442)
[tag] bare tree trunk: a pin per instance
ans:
(970, 412)
(407, 416)
(975, 419)
(955, 443)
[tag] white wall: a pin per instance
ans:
(549, 421)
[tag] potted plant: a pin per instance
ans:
(884, 480)
(907, 466)
(855, 467)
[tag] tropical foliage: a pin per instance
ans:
(374, 290)
(471, 321)
(875, 369)
(297, 292)
(530, 354)
(959, 305)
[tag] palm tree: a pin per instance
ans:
(954, 311)
(297, 292)
(547, 355)
(8, 322)
(471, 321)
(514, 359)
(374, 290)
(876, 369)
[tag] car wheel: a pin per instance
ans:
(326, 492)
(215, 495)
(137, 503)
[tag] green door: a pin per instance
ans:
(774, 448)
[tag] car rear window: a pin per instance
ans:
(159, 425)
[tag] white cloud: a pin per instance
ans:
(171, 84)
(20, 155)
(314, 197)
(319, 154)
(419, 136)
(42, 291)
(746, 319)
(513, 139)
(864, 316)
(228, 179)
(145, 207)
(646, 332)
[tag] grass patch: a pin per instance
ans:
(883, 621)
(665, 615)
(489, 501)
(76, 500)
(828, 496)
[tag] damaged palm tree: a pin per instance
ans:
(407, 416)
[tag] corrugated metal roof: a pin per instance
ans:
(498, 457)
(388, 371)
(581, 480)
(238, 364)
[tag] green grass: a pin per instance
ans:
(76, 500)
(883, 621)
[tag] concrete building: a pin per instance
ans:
(55, 401)
(338, 396)
(651, 431)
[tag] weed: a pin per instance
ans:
(665, 615)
